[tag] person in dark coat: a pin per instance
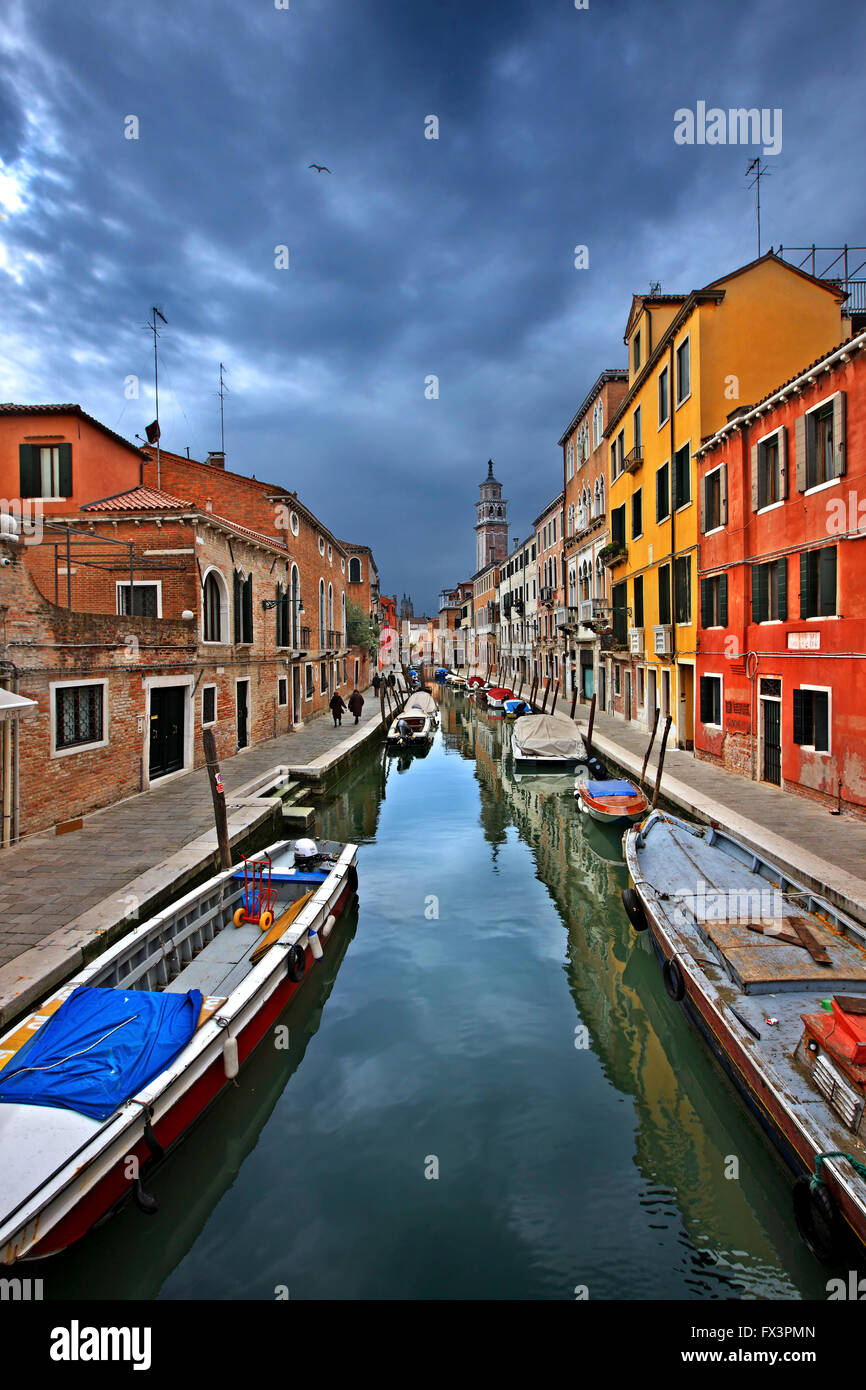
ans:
(356, 704)
(337, 705)
(392, 680)
(376, 682)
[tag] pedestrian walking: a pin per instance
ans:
(376, 682)
(392, 680)
(337, 705)
(356, 704)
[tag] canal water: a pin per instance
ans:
(487, 1092)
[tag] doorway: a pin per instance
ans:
(685, 723)
(243, 708)
(628, 694)
(652, 697)
(166, 729)
(296, 694)
(771, 720)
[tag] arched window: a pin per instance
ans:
(344, 617)
(354, 570)
(214, 607)
(569, 459)
(295, 596)
(323, 638)
(330, 609)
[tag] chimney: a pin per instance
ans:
(216, 458)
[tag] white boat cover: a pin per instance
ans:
(421, 702)
(548, 736)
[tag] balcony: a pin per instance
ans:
(560, 617)
(546, 594)
(662, 644)
(633, 459)
(635, 641)
(613, 555)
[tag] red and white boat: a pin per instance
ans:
(497, 695)
(231, 954)
(610, 801)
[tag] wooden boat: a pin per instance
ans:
(82, 1118)
(546, 741)
(610, 801)
(410, 731)
(422, 702)
(497, 695)
(514, 708)
(455, 680)
(774, 978)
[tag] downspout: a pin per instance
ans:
(673, 481)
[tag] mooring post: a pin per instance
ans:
(219, 797)
(555, 697)
(546, 693)
(588, 739)
(382, 688)
(573, 702)
(661, 760)
(649, 745)
(532, 691)
(520, 691)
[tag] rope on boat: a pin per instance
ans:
(835, 1153)
(49, 1066)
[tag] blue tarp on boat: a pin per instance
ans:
(612, 788)
(100, 1047)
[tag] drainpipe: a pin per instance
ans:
(673, 483)
(7, 782)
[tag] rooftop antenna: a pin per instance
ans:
(153, 434)
(655, 287)
(222, 394)
(760, 173)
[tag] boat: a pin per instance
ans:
(473, 681)
(497, 695)
(441, 675)
(547, 741)
(410, 731)
(113, 1069)
(610, 801)
(513, 708)
(455, 680)
(422, 702)
(774, 978)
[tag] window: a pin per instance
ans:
(45, 470)
(663, 501)
(664, 594)
(638, 430)
(208, 704)
(638, 602)
(346, 671)
(770, 591)
(617, 678)
(323, 639)
(636, 351)
(683, 588)
(354, 570)
(664, 395)
(684, 385)
(212, 597)
(714, 601)
(637, 513)
(243, 608)
(323, 677)
(715, 499)
(767, 467)
(613, 461)
(597, 423)
(79, 715)
(282, 691)
(682, 476)
(823, 458)
(711, 700)
(308, 680)
(284, 618)
(812, 719)
(145, 600)
(818, 582)
(617, 525)
(569, 459)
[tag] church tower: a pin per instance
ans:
(491, 525)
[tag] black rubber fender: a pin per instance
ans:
(297, 963)
(352, 878)
(819, 1221)
(634, 909)
(674, 982)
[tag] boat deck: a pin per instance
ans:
(223, 963)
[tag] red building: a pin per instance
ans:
(782, 570)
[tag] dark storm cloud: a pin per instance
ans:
(415, 257)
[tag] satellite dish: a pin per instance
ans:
(152, 432)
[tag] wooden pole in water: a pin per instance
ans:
(588, 739)
(532, 691)
(573, 702)
(382, 688)
(661, 760)
(546, 693)
(520, 691)
(555, 697)
(649, 745)
(219, 797)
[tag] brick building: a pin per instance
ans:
(549, 556)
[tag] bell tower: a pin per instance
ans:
(491, 523)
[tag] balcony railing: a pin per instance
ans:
(613, 554)
(633, 459)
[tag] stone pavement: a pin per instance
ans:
(50, 881)
(827, 853)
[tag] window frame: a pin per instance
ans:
(718, 677)
(121, 584)
(686, 343)
(663, 376)
(209, 723)
(67, 750)
(810, 747)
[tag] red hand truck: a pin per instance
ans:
(259, 895)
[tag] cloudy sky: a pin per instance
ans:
(449, 257)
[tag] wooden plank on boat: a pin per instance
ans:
(280, 927)
(788, 967)
(809, 939)
(209, 1006)
(851, 1003)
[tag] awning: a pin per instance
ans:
(11, 705)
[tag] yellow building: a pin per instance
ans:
(694, 360)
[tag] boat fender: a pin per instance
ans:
(231, 1063)
(144, 1200)
(674, 983)
(352, 878)
(297, 958)
(154, 1147)
(818, 1220)
(634, 909)
(328, 927)
(315, 944)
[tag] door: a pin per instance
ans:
(686, 723)
(628, 694)
(771, 711)
(602, 687)
(666, 693)
(652, 697)
(166, 729)
(296, 695)
(243, 696)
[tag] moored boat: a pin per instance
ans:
(774, 978)
(513, 708)
(410, 731)
(115, 1067)
(546, 741)
(422, 702)
(612, 800)
(497, 695)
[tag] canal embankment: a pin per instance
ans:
(826, 853)
(64, 898)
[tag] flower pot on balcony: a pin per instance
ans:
(611, 555)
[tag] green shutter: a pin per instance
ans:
(723, 600)
(827, 581)
(236, 594)
(65, 470)
(760, 594)
(706, 701)
(248, 609)
(807, 603)
(800, 451)
(783, 463)
(839, 434)
(705, 602)
(800, 733)
(820, 716)
(29, 480)
(782, 581)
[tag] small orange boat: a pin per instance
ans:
(611, 801)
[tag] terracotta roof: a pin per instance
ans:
(275, 540)
(138, 499)
(10, 408)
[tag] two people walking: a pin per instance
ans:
(337, 705)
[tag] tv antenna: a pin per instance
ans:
(222, 392)
(760, 172)
(152, 431)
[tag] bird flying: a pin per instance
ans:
(320, 168)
